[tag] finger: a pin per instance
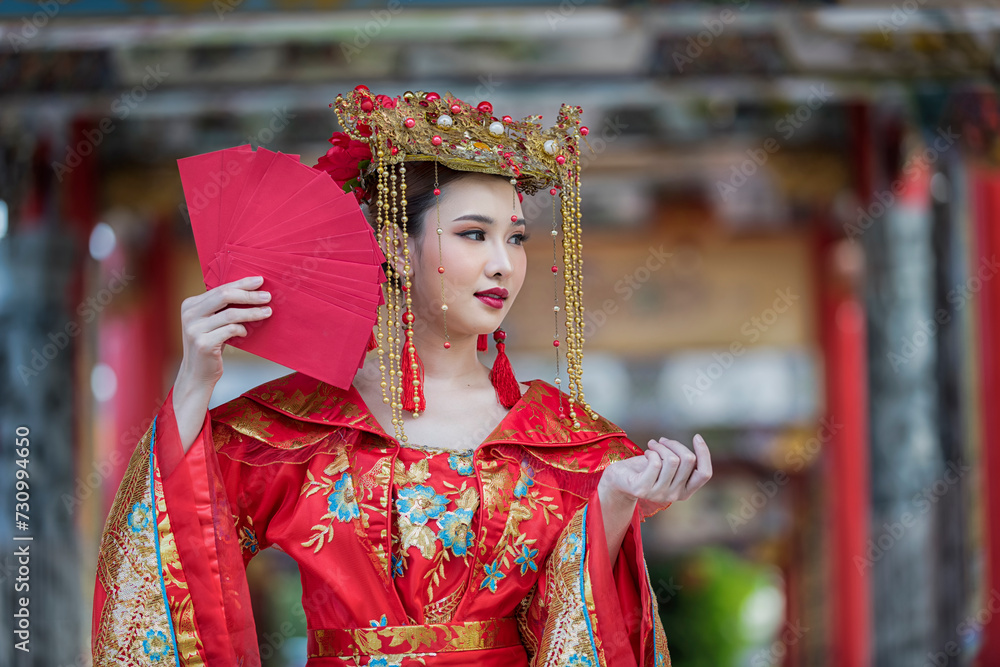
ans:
(685, 463)
(230, 315)
(207, 342)
(238, 291)
(703, 471)
(653, 466)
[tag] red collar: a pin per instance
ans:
(532, 421)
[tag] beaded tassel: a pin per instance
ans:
(502, 375)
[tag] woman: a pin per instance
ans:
(521, 547)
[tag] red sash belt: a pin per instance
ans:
(397, 639)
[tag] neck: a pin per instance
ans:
(455, 367)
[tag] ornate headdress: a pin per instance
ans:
(382, 134)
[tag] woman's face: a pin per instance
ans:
(480, 250)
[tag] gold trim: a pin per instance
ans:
(398, 639)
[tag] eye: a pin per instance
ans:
(520, 238)
(480, 232)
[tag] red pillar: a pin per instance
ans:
(843, 338)
(985, 212)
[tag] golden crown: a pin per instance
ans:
(426, 126)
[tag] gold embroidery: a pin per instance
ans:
(402, 639)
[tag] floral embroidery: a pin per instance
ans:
(573, 549)
(397, 566)
(577, 659)
(419, 503)
(380, 623)
(342, 504)
(462, 464)
(156, 645)
(248, 538)
(454, 531)
(342, 500)
(526, 480)
(527, 559)
(139, 517)
(493, 575)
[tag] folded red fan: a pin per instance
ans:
(264, 213)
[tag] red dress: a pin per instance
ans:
(408, 555)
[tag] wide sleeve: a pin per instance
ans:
(581, 611)
(171, 583)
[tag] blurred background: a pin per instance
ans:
(791, 214)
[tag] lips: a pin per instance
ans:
(495, 292)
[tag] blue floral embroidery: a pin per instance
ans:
(527, 559)
(461, 463)
(493, 575)
(342, 501)
(378, 662)
(138, 518)
(420, 503)
(249, 540)
(454, 531)
(526, 480)
(155, 645)
(577, 659)
(397, 566)
(380, 623)
(573, 539)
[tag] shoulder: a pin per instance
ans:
(545, 430)
(288, 412)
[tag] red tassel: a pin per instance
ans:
(482, 343)
(410, 398)
(372, 342)
(502, 375)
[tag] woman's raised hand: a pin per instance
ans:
(207, 323)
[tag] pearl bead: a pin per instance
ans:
(444, 306)
(555, 309)
(550, 147)
(558, 381)
(555, 232)
(444, 120)
(496, 128)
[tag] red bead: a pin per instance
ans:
(584, 130)
(555, 343)
(560, 159)
(361, 86)
(436, 140)
(437, 191)
(409, 122)
(366, 105)
(447, 345)
(508, 119)
(394, 150)
(485, 107)
(440, 269)
(499, 335)
(430, 97)
(555, 269)
(552, 191)
(455, 108)
(513, 218)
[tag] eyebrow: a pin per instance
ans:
(486, 220)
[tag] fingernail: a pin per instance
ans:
(698, 436)
(267, 310)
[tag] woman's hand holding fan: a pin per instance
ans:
(262, 213)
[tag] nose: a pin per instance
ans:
(499, 264)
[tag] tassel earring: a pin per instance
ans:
(502, 375)
(481, 343)
(413, 373)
